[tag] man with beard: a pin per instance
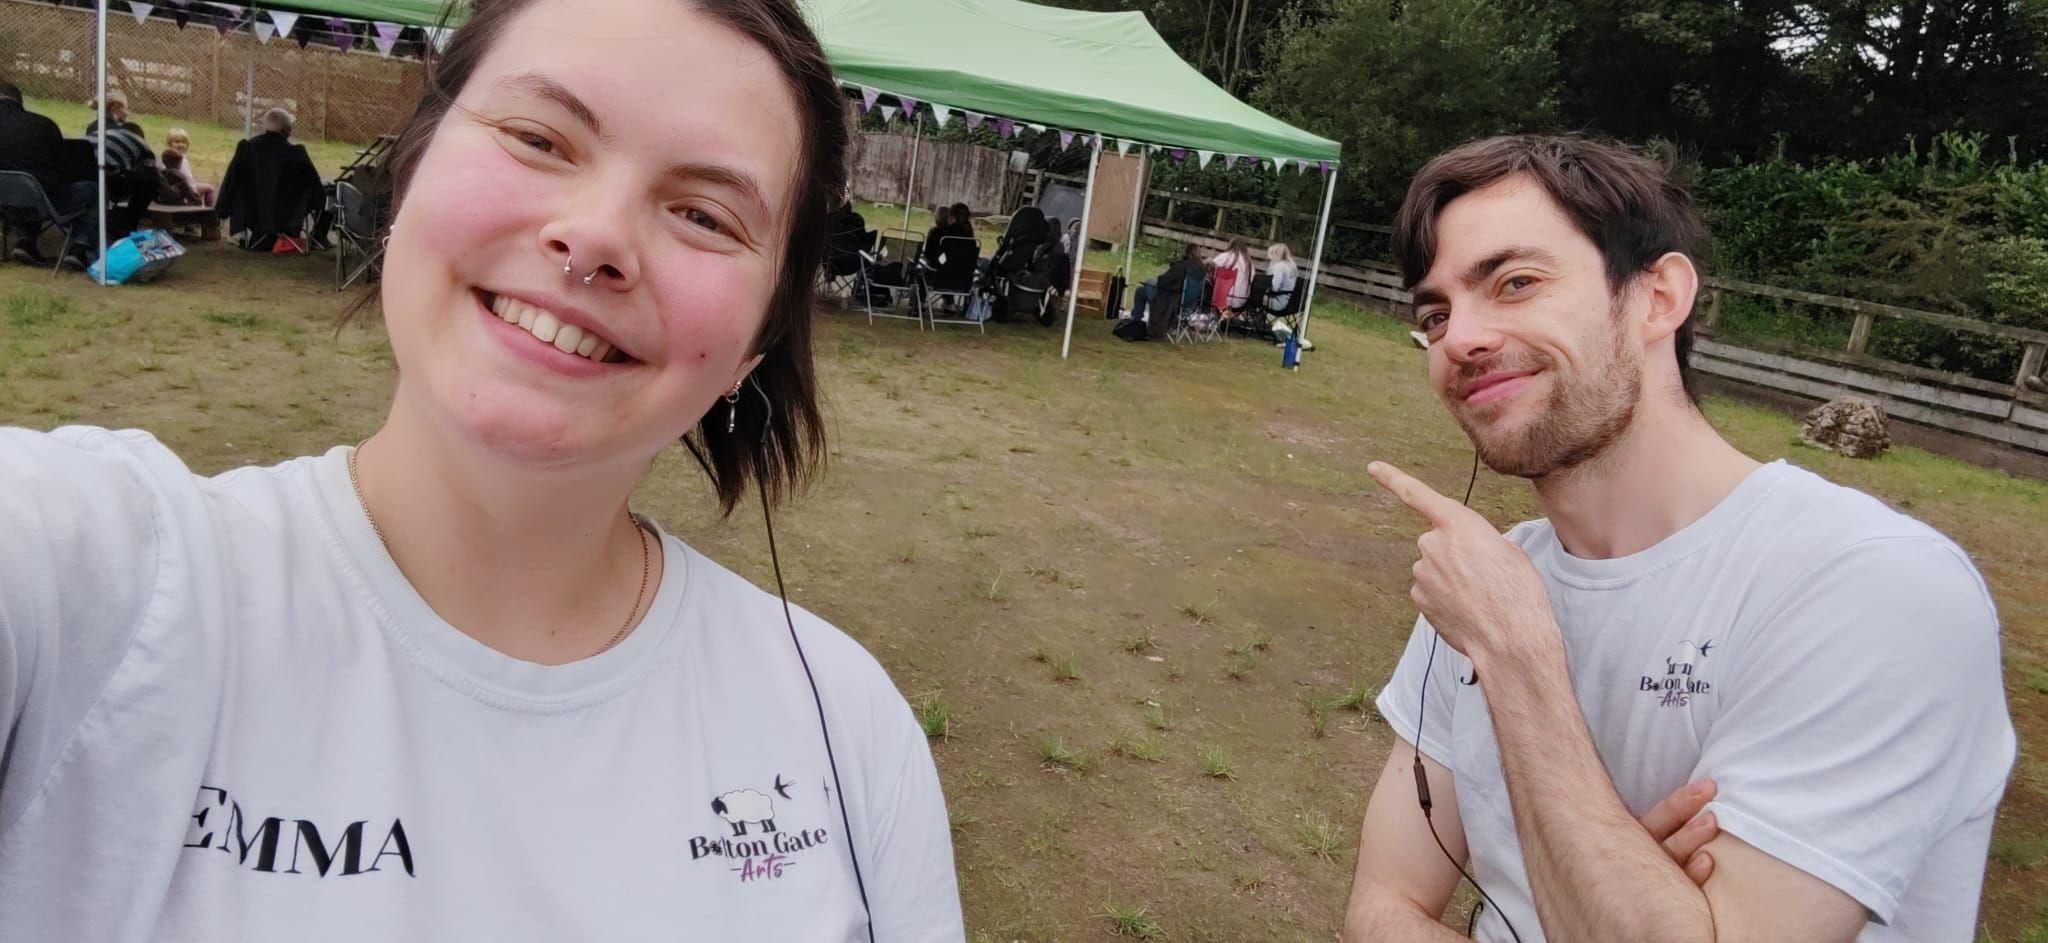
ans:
(1681, 614)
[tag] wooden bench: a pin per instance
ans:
(167, 216)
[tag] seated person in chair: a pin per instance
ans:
(179, 141)
(1237, 261)
(32, 144)
(942, 226)
(1166, 284)
(1282, 314)
(172, 186)
(271, 187)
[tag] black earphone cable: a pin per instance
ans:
(1422, 778)
(781, 592)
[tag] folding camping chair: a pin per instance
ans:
(1194, 321)
(355, 232)
(874, 275)
(842, 257)
(953, 278)
(27, 207)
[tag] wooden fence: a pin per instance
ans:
(198, 74)
(947, 172)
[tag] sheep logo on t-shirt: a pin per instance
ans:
(741, 806)
(1677, 684)
(762, 855)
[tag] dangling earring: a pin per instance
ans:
(732, 408)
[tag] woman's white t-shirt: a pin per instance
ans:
(1281, 289)
(227, 716)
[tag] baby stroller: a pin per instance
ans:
(1010, 268)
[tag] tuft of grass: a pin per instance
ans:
(934, 715)
(1318, 710)
(1144, 747)
(1355, 698)
(1155, 717)
(908, 554)
(1046, 573)
(1055, 753)
(959, 822)
(34, 307)
(1247, 880)
(1260, 642)
(238, 320)
(1318, 837)
(977, 532)
(2021, 852)
(1215, 762)
(1197, 614)
(1063, 667)
(993, 591)
(1138, 644)
(1241, 666)
(1134, 922)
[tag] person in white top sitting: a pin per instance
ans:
(1681, 614)
(1281, 279)
(446, 685)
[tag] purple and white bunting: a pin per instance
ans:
(1325, 165)
(284, 21)
(941, 113)
(1179, 154)
(344, 35)
(909, 105)
(1204, 157)
(387, 37)
(263, 30)
(868, 97)
(974, 119)
(1066, 139)
(141, 10)
(1006, 128)
(888, 113)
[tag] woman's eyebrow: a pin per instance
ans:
(547, 89)
(720, 175)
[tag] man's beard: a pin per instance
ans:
(1579, 421)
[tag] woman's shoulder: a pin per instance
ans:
(754, 616)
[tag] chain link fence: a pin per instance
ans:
(198, 74)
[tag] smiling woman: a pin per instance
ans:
(557, 721)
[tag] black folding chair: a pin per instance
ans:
(842, 257)
(25, 204)
(953, 278)
(899, 278)
(355, 232)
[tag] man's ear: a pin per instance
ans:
(1670, 283)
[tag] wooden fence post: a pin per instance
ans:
(1859, 332)
(1170, 204)
(1218, 228)
(2030, 364)
(1709, 317)
(1273, 227)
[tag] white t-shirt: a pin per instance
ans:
(1832, 664)
(229, 717)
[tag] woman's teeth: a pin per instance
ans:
(567, 338)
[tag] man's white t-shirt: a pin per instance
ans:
(228, 716)
(1832, 664)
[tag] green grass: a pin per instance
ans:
(1134, 922)
(1243, 503)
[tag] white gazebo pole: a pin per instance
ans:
(102, 161)
(1316, 267)
(910, 184)
(1137, 214)
(1080, 251)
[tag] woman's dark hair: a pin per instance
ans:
(1632, 206)
(782, 393)
(943, 216)
(961, 215)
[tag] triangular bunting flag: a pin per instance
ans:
(387, 37)
(1095, 142)
(1206, 157)
(974, 119)
(1123, 148)
(868, 96)
(1006, 127)
(141, 10)
(226, 22)
(344, 37)
(941, 113)
(909, 105)
(1300, 166)
(1035, 128)
(181, 18)
(888, 113)
(437, 36)
(284, 21)
(1325, 165)
(263, 31)
(1066, 139)
(1178, 154)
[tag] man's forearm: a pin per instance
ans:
(1596, 874)
(1374, 920)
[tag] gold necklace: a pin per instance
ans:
(646, 558)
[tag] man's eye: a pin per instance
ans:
(1432, 321)
(1520, 282)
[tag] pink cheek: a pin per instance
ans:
(470, 197)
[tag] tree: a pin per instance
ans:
(1398, 82)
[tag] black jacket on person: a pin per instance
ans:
(1176, 275)
(270, 187)
(32, 143)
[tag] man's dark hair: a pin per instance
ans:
(9, 91)
(1631, 206)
